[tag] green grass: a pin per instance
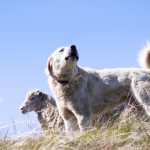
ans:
(130, 132)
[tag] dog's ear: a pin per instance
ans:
(48, 69)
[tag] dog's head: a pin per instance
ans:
(62, 64)
(34, 101)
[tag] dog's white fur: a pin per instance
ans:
(83, 92)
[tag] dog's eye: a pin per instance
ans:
(61, 50)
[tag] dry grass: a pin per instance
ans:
(131, 131)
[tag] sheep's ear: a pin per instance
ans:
(48, 69)
(40, 93)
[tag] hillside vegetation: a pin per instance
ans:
(130, 131)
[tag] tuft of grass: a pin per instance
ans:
(130, 131)
(4, 144)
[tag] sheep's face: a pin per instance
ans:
(34, 101)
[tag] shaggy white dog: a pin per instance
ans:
(83, 92)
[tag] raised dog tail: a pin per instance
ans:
(144, 57)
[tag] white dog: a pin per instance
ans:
(83, 92)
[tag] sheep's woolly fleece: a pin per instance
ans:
(45, 108)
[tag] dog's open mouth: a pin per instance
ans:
(72, 57)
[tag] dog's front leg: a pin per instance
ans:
(68, 125)
(84, 121)
(68, 119)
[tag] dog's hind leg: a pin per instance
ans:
(141, 91)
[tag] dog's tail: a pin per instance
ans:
(144, 57)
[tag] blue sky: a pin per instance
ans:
(107, 33)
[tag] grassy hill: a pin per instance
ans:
(131, 131)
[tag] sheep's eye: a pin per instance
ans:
(61, 50)
(32, 98)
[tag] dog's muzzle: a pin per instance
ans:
(73, 53)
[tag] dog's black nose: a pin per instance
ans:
(73, 49)
(73, 53)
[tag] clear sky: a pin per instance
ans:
(107, 33)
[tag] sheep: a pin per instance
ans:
(45, 108)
